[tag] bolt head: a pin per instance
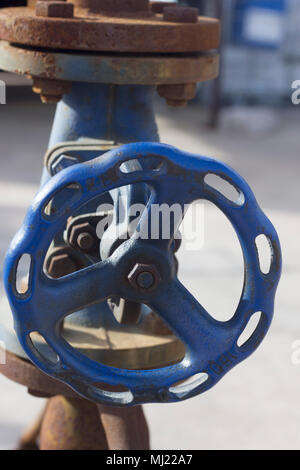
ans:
(61, 265)
(50, 90)
(178, 95)
(54, 9)
(144, 277)
(145, 280)
(180, 14)
(158, 7)
(86, 241)
(116, 6)
(83, 236)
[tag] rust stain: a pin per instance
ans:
(144, 33)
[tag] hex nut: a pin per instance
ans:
(50, 91)
(180, 14)
(54, 9)
(83, 243)
(177, 95)
(145, 280)
(115, 6)
(158, 7)
(140, 269)
(86, 241)
(61, 265)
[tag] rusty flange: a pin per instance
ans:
(101, 68)
(91, 29)
(25, 373)
(69, 422)
(149, 44)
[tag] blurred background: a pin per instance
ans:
(246, 119)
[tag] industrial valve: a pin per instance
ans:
(92, 275)
(140, 268)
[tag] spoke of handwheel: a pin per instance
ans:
(188, 319)
(80, 289)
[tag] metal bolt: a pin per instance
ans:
(61, 265)
(54, 9)
(83, 236)
(50, 91)
(144, 277)
(113, 6)
(145, 280)
(85, 241)
(177, 95)
(158, 7)
(180, 14)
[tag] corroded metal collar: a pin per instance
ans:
(90, 31)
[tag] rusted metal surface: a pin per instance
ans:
(61, 261)
(51, 91)
(125, 428)
(90, 32)
(119, 70)
(158, 7)
(178, 14)
(29, 438)
(83, 236)
(72, 424)
(25, 373)
(86, 242)
(115, 7)
(177, 95)
(51, 9)
(61, 265)
(50, 24)
(77, 424)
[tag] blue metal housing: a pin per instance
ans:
(211, 345)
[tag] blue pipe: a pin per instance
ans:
(121, 114)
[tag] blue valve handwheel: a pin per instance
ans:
(211, 346)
